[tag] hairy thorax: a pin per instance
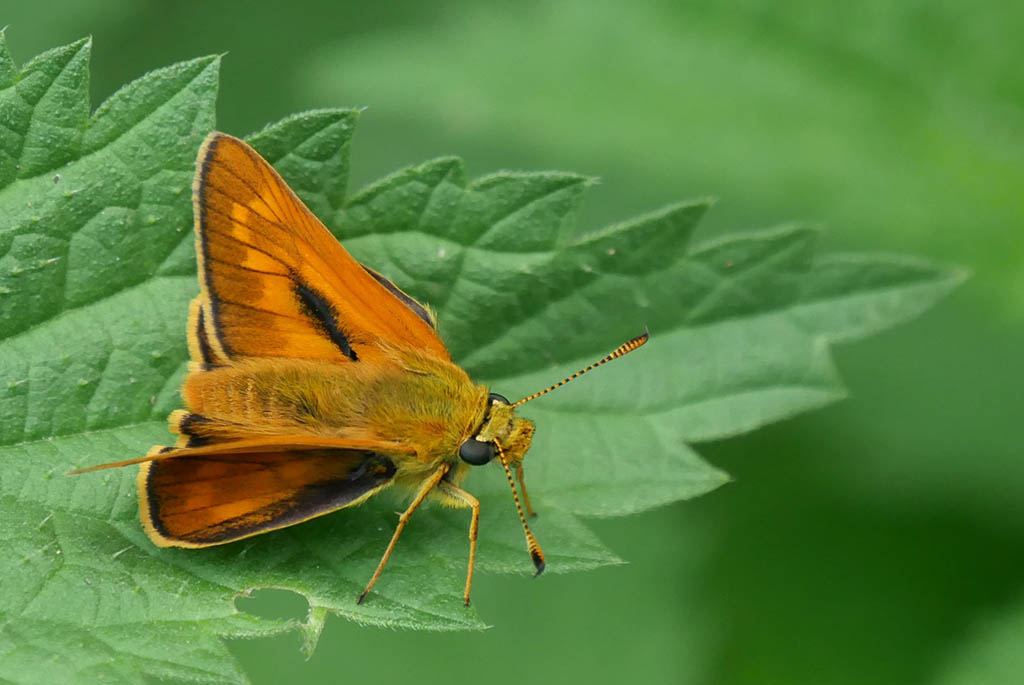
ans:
(429, 404)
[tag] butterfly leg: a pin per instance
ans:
(429, 484)
(457, 497)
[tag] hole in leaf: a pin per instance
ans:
(274, 603)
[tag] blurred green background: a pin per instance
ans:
(878, 541)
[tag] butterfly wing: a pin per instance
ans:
(275, 282)
(200, 498)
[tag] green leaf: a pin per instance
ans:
(991, 654)
(96, 271)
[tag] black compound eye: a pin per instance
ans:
(475, 452)
(500, 399)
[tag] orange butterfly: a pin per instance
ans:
(315, 382)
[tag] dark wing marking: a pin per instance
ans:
(318, 308)
(417, 309)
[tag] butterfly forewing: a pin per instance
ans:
(276, 283)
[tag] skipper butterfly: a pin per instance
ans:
(314, 381)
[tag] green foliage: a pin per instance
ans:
(96, 272)
(992, 655)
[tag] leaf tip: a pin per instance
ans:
(698, 206)
(958, 274)
(81, 46)
(210, 59)
(950, 277)
(311, 629)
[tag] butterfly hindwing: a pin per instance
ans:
(210, 498)
(199, 346)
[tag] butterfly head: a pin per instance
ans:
(502, 431)
(507, 437)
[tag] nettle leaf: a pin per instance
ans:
(98, 266)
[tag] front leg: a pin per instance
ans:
(429, 484)
(454, 496)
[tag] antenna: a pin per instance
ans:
(624, 348)
(531, 542)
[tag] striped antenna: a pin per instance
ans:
(622, 349)
(531, 542)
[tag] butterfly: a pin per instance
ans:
(314, 382)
